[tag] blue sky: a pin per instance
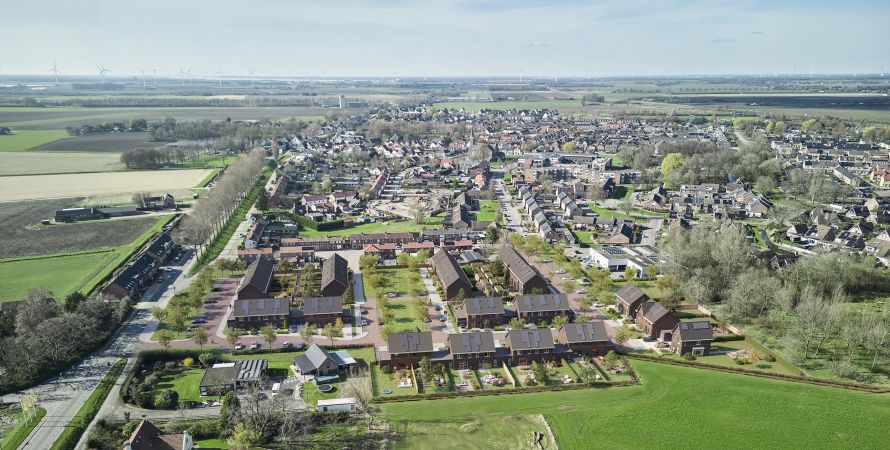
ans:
(454, 38)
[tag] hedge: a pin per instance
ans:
(757, 373)
(729, 338)
(81, 421)
(317, 226)
(522, 390)
(21, 431)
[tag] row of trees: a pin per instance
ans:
(209, 215)
(41, 336)
(152, 158)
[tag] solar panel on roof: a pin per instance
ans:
(701, 325)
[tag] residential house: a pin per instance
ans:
(451, 276)
(524, 278)
(536, 308)
(334, 276)
(320, 311)
(693, 338)
(133, 280)
(382, 251)
(531, 344)
(255, 313)
(147, 436)
(628, 300)
(474, 350)
(653, 319)
(587, 338)
(480, 312)
(315, 361)
(405, 349)
(232, 376)
(256, 281)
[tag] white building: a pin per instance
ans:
(336, 404)
(617, 259)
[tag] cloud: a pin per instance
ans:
(722, 41)
(536, 44)
(755, 32)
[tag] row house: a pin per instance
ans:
(454, 281)
(360, 240)
(480, 312)
(524, 278)
(536, 308)
(320, 244)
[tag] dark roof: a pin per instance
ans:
(542, 302)
(631, 294)
(517, 265)
(476, 342)
(322, 305)
(314, 358)
(530, 339)
(594, 331)
(459, 215)
(251, 369)
(448, 270)
(161, 245)
(476, 306)
(259, 275)
(699, 330)
(335, 270)
(410, 342)
(220, 374)
(260, 307)
(147, 436)
(652, 311)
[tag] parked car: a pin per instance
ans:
(255, 346)
(239, 346)
(598, 305)
(391, 295)
(443, 318)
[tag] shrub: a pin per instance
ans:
(207, 359)
(188, 362)
(769, 357)
(688, 356)
(167, 400)
(742, 361)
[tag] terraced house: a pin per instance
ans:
(524, 278)
(533, 344)
(334, 276)
(542, 308)
(480, 312)
(451, 276)
(405, 349)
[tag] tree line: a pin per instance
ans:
(40, 336)
(209, 215)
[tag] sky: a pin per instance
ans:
(386, 38)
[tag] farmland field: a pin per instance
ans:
(60, 274)
(101, 142)
(33, 163)
(29, 187)
(59, 118)
(678, 406)
(24, 140)
(24, 236)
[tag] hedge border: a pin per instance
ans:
(520, 390)
(78, 425)
(757, 373)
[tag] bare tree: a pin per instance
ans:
(358, 386)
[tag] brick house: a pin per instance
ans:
(256, 281)
(480, 312)
(694, 338)
(254, 313)
(533, 344)
(451, 276)
(653, 319)
(320, 311)
(334, 276)
(524, 278)
(587, 339)
(474, 350)
(382, 251)
(545, 307)
(405, 349)
(628, 300)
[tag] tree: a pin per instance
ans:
(491, 235)
(426, 369)
(651, 271)
(330, 332)
(348, 296)
(517, 323)
(764, 185)
(670, 167)
(306, 332)
(164, 338)
(623, 335)
(73, 301)
(268, 334)
(206, 359)
(387, 330)
(671, 302)
(569, 147)
(167, 400)
(668, 284)
(358, 387)
(262, 200)
(200, 336)
(626, 205)
(611, 359)
(327, 184)
(421, 313)
(630, 273)
(243, 438)
(559, 321)
(232, 335)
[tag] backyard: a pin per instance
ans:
(747, 412)
(487, 210)
(757, 357)
(394, 226)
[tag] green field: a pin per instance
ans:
(675, 407)
(488, 210)
(61, 274)
(504, 105)
(186, 383)
(27, 139)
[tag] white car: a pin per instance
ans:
(255, 346)
(239, 346)
(598, 305)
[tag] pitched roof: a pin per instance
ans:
(517, 265)
(593, 331)
(476, 306)
(410, 342)
(631, 294)
(699, 330)
(259, 275)
(474, 342)
(653, 311)
(530, 339)
(542, 302)
(334, 270)
(448, 270)
(147, 436)
(312, 359)
(260, 307)
(322, 305)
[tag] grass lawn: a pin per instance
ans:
(487, 210)
(395, 226)
(186, 383)
(505, 105)
(26, 139)
(398, 281)
(584, 237)
(404, 313)
(489, 432)
(381, 380)
(719, 355)
(14, 436)
(61, 274)
(212, 444)
(708, 408)
(649, 287)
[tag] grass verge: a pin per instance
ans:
(17, 435)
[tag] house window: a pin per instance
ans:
(698, 351)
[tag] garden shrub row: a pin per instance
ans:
(81, 420)
(522, 390)
(729, 338)
(262, 351)
(757, 373)
(18, 435)
(307, 222)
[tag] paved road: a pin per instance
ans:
(650, 231)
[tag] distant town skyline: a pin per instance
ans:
(398, 38)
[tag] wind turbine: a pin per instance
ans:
(181, 77)
(102, 72)
(143, 76)
(189, 72)
(219, 74)
(55, 71)
(251, 75)
(882, 70)
(154, 76)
